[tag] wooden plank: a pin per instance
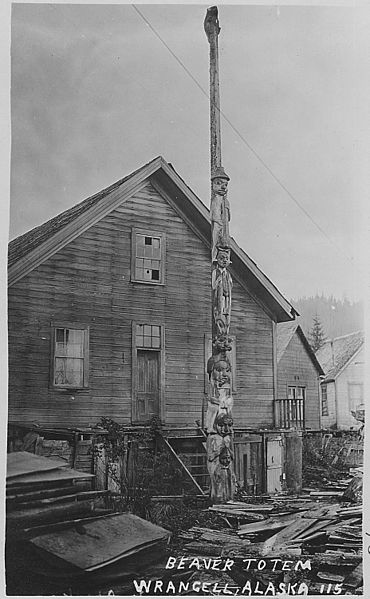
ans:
(22, 463)
(287, 534)
(266, 525)
(242, 514)
(105, 540)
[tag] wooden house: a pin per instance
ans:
(342, 388)
(109, 316)
(298, 379)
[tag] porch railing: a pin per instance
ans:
(290, 413)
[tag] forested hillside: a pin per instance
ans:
(337, 317)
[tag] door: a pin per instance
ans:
(248, 463)
(147, 385)
(274, 464)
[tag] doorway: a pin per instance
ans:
(148, 388)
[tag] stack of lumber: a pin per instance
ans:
(60, 531)
(40, 490)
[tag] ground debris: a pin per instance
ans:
(286, 530)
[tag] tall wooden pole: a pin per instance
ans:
(219, 421)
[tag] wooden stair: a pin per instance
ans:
(190, 453)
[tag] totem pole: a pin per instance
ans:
(219, 420)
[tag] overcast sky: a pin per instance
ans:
(96, 94)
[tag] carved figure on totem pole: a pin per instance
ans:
(220, 211)
(220, 401)
(220, 457)
(221, 292)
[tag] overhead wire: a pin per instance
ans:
(239, 134)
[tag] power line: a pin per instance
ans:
(236, 130)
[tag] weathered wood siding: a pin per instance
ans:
(296, 368)
(88, 282)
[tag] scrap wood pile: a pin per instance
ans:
(348, 488)
(328, 535)
(62, 534)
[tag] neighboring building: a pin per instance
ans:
(109, 314)
(298, 376)
(342, 389)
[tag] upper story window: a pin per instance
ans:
(324, 400)
(148, 250)
(70, 357)
(296, 392)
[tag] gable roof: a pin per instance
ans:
(31, 249)
(335, 354)
(284, 333)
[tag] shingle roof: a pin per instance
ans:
(24, 244)
(335, 353)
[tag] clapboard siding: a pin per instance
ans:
(296, 368)
(88, 282)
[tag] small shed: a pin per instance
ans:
(298, 379)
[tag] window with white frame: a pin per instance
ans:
(70, 357)
(147, 265)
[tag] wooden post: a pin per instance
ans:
(219, 422)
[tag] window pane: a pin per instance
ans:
(156, 243)
(291, 392)
(147, 342)
(156, 342)
(60, 371)
(74, 372)
(139, 340)
(140, 248)
(147, 263)
(155, 275)
(300, 392)
(59, 335)
(155, 331)
(139, 274)
(147, 275)
(147, 329)
(148, 241)
(69, 372)
(75, 345)
(139, 262)
(148, 253)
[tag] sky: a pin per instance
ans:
(95, 94)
